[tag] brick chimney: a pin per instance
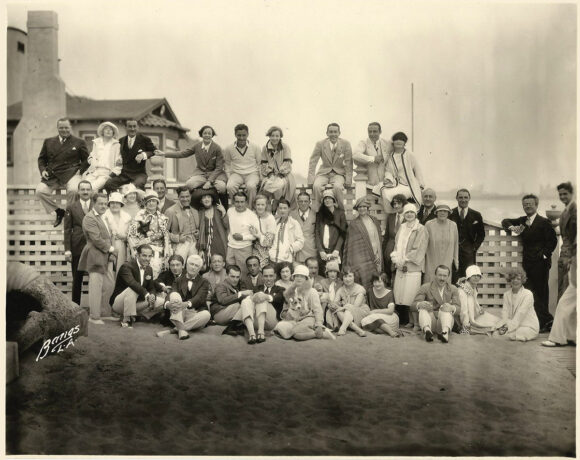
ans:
(44, 98)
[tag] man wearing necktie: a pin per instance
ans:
(74, 237)
(336, 167)
(61, 162)
(136, 149)
(539, 241)
(470, 230)
(97, 259)
(262, 310)
(306, 217)
(371, 153)
(183, 224)
(427, 209)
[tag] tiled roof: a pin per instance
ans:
(83, 108)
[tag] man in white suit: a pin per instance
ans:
(372, 153)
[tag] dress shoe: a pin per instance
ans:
(59, 217)
(550, 344)
(444, 337)
(428, 335)
(96, 321)
(183, 335)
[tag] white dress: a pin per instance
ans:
(519, 315)
(104, 159)
(472, 315)
(119, 225)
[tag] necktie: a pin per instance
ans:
(280, 237)
(131, 141)
(377, 147)
(463, 214)
(61, 140)
(303, 217)
(529, 222)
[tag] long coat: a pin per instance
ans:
(309, 248)
(359, 254)
(95, 255)
(62, 161)
(74, 237)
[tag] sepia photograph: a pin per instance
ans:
(290, 228)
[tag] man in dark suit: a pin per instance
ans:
(136, 149)
(74, 238)
(539, 241)
(97, 259)
(568, 228)
(471, 232)
(228, 295)
(187, 302)
(61, 162)
(165, 203)
(427, 209)
(136, 292)
(262, 309)
(254, 276)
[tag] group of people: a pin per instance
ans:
(283, 260)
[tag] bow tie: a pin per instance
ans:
(186, 207)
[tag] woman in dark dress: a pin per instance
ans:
(394, 221)
(381, 301)
(213, 229)
(329, 231)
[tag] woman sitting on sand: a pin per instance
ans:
(382, 318)
(473, 318)
(302, 313)
(285, 275)
(519, 320)
(349, 307)
(330, 286)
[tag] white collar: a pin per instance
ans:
(206, 147)
(141, 269)
(532, 217)
(461, 209)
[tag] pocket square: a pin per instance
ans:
(475, 222)
(74, 148)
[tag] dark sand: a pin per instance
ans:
(126, 392)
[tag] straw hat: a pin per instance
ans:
(116, 197)
(332, 266)
(150, 195)
(301, 270)
(109, 124)
(472, 270)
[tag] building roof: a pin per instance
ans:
(149, 112)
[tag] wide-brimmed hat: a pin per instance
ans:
(332, 267)
(150, 195)
(472, 270)
(301, 270)
(111, 125)
(409, 207)
(116, 197)
(363, 201)
(443, 207)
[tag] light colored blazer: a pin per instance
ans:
(340, 161)
(430, 292)
(309, 248)
(293, 242)
(364, 155)
(95, 255)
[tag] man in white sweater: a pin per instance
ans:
(242, 164)
(240, 238)
(288, 239)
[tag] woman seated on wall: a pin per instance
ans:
(519, 320)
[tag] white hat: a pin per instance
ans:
(150, 195)
(301, 270)
(472, 270)
(410, 207)
(110, 125)
(116, 197)
(129, 188)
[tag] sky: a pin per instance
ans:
(494, 83)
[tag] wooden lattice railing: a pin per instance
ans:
(31, 239)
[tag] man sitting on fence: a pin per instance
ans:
(136, 292)
(372, 153)
(61, 162)
(336, 167)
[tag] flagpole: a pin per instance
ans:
(412, 117)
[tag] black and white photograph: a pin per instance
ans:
(290, 228)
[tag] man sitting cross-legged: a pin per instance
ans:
(187, 301)
(437, 301)
(262, 309)
(136, 293)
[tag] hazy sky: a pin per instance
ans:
(495, 84)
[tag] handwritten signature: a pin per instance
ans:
(59, 343)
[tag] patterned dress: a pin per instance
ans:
(152, 229)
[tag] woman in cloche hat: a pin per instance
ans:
(474, 319)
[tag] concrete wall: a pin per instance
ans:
(16, 68)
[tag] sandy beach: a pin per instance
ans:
(126, 392)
